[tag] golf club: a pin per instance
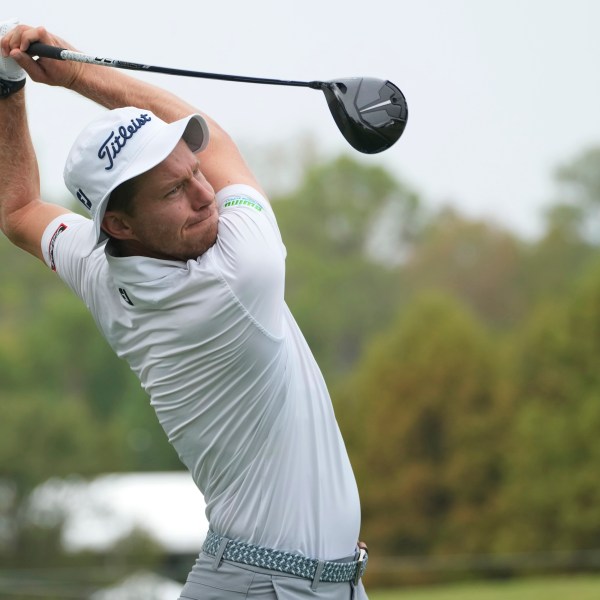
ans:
(371, 113)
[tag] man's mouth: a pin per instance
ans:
(201, 216)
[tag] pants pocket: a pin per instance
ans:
(293, 588)
(226, 582)
(200, 591)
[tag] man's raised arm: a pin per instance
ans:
(23, 216)
(221, 162)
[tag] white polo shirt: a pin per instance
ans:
(229, 374)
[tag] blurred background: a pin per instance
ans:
(449, 289)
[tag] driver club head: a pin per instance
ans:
(371, 113)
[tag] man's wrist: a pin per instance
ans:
(8, 88)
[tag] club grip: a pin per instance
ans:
(44, 50)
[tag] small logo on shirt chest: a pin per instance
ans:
(125, 296)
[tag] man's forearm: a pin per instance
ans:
(114, 89)
(18, 164)
(23, 216)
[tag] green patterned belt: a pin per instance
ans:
(285, 562)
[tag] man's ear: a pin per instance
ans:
(117, 225)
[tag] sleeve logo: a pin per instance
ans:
(242, 201)
(52, 243)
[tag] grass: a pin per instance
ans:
(548, 588)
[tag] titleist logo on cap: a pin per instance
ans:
(115, 142)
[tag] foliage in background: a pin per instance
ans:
(342, 255)
(428, 431)
(463, 363)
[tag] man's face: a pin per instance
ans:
(174, 210)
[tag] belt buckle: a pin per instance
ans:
(359, 565)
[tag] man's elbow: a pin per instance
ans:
(24, 226)
(8, 224)
(12, 226)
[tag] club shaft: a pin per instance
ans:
(46, 51)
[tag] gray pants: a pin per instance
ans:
(235, 581)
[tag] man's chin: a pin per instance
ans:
(206, 241)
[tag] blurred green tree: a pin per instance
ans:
(426, 431)
(579, 189)
(551, 499)
(346, 228)
(477, 262)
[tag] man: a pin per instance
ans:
(182, 268)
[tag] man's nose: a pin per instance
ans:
(201, 194)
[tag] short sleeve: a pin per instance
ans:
(250, 254)
(66, 247)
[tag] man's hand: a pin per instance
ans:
(12, 77)
(44, 70)
(10, 71)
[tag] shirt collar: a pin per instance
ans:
(140, 269)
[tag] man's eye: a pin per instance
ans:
(174, 191)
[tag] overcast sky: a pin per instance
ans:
(500, 92)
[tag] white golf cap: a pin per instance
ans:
(121, 144)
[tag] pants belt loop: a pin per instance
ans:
(219, 554)
(317, 577)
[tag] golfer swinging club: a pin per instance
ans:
(182, 267)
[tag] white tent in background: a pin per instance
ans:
(97, 514)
